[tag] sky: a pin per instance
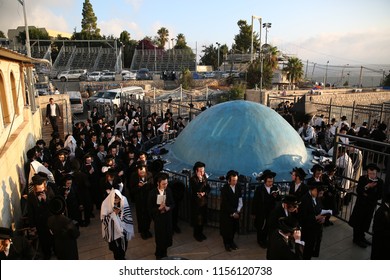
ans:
(347, 32)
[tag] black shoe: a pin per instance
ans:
(361, 244)
(92, 215)
(198, 238)
(203, 236)
(177, 230)
(234, 246)
(148, 234)
(227, 248)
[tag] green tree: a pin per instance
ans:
(124, 37)
(386, 81)
(237, 92)
(89, 29)
(186, 79)
(129, 46)
(34, 33)
(162, 38)
(294, 70)
(210, 56)
(181, 42)
(243, 40)
(2, 35)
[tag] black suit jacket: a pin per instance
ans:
(48, 113)
(280, 249)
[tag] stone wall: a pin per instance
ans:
(347, 99)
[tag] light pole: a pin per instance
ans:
(173, 54)
(260, 19)
(342, 74)
(30, 87)
(218, 44)
(266, 26)
(326, 73)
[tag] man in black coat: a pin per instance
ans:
(141, 183)
(231, 205)
(160, 205)
(14, 247)
(264, 201)
(52, 113)
(380, 249)
(312, 218)
(369, 190)
(285, 242)
(288, 207)
(297, 186)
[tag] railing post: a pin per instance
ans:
(330, 110)
(382, 109)
(353, 111)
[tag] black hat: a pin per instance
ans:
(43, 175)
(372, 166)
(62, 152)
(344, 118)
(330, 167)
(288, 224)
(57, 205)
(197, 165)
(231, 173)
(291, 200)
(5, 233)
(266, 174)
(316, 167)
(300, 172)
(37, 180)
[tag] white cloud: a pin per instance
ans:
(136, 4)
(365, 46)
(116, 26)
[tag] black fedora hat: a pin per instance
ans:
(372, 166)
(330, 167)
(5, 233)
(266, 174)
(57, 205)
(291, 200)
(299, 172)
(288, 224)
(197, 165)
(38, 180)
(316, 167)
(62, 152)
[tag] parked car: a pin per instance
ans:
(144, 74)
(90, 102)
(76, 102)
(76, 74)
(94, 76)
(119, 95)
(107, 76)
(128, 75)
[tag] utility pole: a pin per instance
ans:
(30, 85)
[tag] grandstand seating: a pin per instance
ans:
(92, 59)
(160, 60)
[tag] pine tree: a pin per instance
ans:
(89, 29)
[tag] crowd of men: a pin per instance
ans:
(102, 166)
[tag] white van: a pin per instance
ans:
(114, 96)
(76, 102)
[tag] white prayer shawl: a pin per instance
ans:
(35, 167)
(71, 143)
(116, 226)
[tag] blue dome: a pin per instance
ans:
(240, 135)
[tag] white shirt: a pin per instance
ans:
(53, 110)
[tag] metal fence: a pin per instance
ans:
(361, 151)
